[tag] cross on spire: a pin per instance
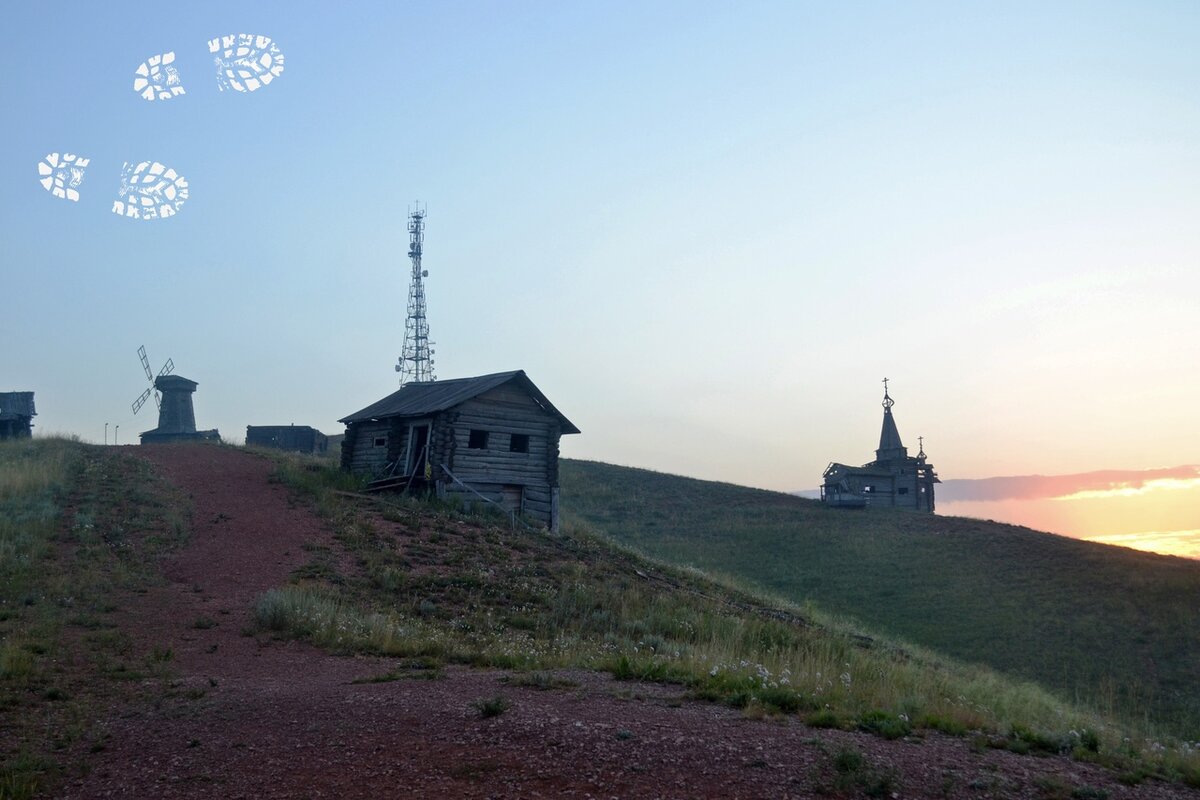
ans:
(921, 441)
(887, 401)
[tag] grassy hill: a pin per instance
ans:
(1108, 627)
(84, 529)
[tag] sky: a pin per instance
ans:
(706, 231)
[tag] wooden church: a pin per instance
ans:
(893, 480)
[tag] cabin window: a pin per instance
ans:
(381, 441)
(868, 488)
(902, 490)
(477, 440)
(519, 443)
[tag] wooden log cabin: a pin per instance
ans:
(16, 415)
(492, 437)
(294, 438)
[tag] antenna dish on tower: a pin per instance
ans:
(416, 358)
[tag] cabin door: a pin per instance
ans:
(418, 450)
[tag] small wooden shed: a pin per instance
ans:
(294, 438)
(492, 437)
(16, 415)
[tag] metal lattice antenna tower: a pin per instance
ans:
(416, 359)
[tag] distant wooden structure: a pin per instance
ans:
(176, 414)
(491, 438)
(894, 479)
(16, 415)
(293, 438)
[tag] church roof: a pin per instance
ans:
(890, 446)
(889, 436)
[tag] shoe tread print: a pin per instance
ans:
(61, 174)
(150, 190)
(156, 79)
(245, 62)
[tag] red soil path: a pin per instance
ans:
(283, 720)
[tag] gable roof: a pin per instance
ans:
(430, 397)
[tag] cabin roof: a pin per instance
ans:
(430, 397)
(16, 404)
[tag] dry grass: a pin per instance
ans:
(435, 583)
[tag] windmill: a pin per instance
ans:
(166, 370)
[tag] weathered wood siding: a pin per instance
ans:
(359, 453)
(523, 482)
(503, 412)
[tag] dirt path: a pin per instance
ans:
(249, 718)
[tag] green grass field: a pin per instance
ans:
(1110, 628)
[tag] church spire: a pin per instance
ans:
(890, 446)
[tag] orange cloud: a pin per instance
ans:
(1103, 483)
(1127, 490)
(1174, 543)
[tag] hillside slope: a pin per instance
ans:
(199, 621)
(1107, 626)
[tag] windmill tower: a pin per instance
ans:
(173, 396)
(416, 358)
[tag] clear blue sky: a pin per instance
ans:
(705, 230)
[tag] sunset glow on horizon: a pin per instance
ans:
(1153, 510)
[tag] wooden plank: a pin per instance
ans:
(483, 458)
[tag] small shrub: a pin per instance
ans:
(1089, 740)
(491, 706)
(848, 761)
(15, 662)
(951, 727)
(22, 776)
(627, 669)
(881, 723)
(204, 623)
(1088, 793)
(1052, 787)
(825, 718)
(1025, 740)
(540, 680)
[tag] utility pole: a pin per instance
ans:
(106, 433)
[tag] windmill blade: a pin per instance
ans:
(167, 367)
(141, 401)
(146, 363)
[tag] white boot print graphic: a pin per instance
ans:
(61, 175)
(157, 79)
(245, 62)
(150, 190)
